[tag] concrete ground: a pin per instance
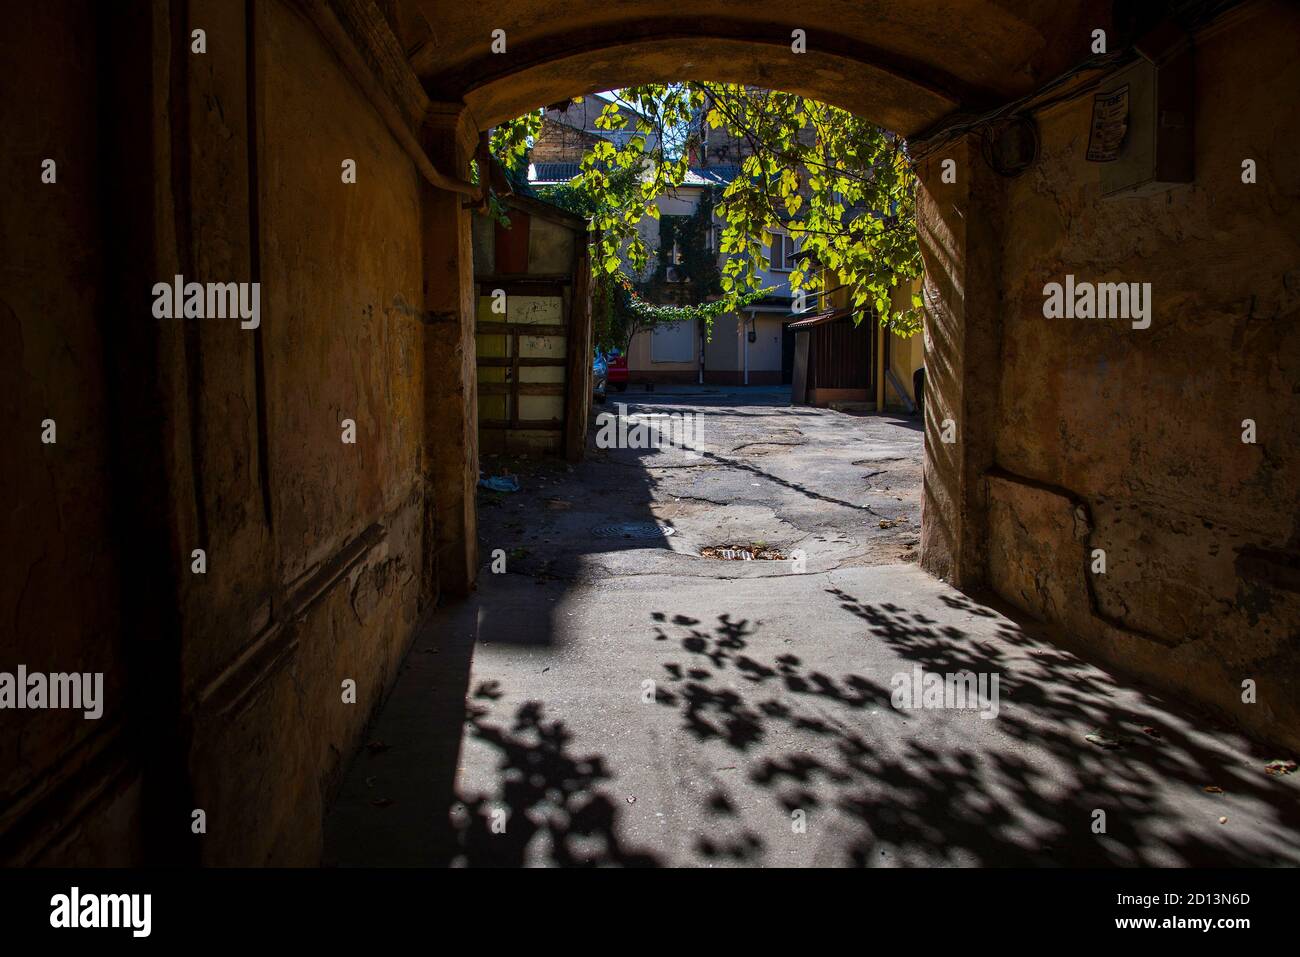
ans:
(841, 489)
(617, 699)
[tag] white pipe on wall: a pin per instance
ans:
(744, 336)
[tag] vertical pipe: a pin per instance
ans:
(879, 363)
(702, 345)
(744, 339)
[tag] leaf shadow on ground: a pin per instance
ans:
(1027, 797)
(876, 785)
(545, 794)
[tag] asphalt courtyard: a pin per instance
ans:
(625, 688)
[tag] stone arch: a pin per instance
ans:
(902, 64)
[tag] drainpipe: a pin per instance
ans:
(703, 345)
(882, 361)
(744, 338)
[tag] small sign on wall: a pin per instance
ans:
(1109, 125)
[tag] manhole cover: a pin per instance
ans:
(632, 530)
(742, 553)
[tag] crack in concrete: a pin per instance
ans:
(749, 445)
(694, 498)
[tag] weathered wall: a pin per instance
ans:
(60, 607)
(223, 166)
(340, 266)
(1130, 440)
(175, 435)
(959, 226)
(450, 462)
(897, 61)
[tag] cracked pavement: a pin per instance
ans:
(794, 478)
(611, 701)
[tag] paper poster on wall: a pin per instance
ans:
(1109, 124)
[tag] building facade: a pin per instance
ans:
(746, 348)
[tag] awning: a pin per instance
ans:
(820, 318)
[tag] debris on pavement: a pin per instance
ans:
(742, 553)
(1104, 739)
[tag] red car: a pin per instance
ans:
(617, 374)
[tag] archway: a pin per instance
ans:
(1071, 438)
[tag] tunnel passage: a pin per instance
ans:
(223, 688)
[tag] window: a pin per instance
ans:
(675, 343)
(782, 253)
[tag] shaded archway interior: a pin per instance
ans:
(223, 689)
(902, 64)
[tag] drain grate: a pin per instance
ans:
(633, 530)
(742, 553)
